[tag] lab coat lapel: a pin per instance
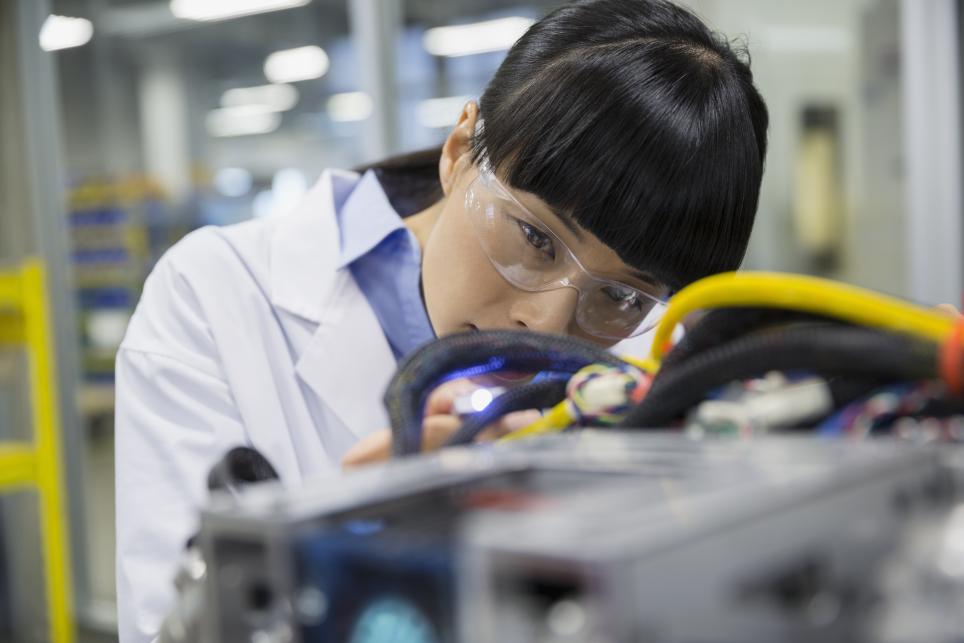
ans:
(348, 362)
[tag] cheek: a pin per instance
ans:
(459, 282)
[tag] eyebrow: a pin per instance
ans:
(642, 276)
(566, 219)
(577, 231)
(570, 224)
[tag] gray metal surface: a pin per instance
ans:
(774, 539)
(931, 87)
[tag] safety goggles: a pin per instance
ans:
(531, 257)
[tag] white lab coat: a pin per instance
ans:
(246, 335)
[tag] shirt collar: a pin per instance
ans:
(365, 219)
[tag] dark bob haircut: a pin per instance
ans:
(636, 121)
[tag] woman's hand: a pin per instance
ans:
(439, 425)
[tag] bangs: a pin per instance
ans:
(648, 144)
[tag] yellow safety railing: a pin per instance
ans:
(25, 320)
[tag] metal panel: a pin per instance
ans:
(33, 81)
(375, 25)
(930, 67)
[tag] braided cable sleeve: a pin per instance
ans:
(721, 325)
(472, 354)
(833, 350)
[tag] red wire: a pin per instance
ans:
(951, 357)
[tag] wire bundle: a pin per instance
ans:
(602, 395)
(858, 342)
(479, 353)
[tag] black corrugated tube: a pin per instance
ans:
(825, 349)
(477, 353)
(722, 325)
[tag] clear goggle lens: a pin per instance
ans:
(531, 257)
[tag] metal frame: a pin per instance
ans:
(25, 319)
(375, 25)
(37, 86)
(933, 149)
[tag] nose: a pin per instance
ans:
(552, 311)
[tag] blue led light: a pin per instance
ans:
(393, 620)
(364, 527)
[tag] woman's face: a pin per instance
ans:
(464, 291)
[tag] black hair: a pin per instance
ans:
(639, 123)
(410, 181)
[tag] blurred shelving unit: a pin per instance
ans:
(117, 231)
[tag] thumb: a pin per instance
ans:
(436, 430)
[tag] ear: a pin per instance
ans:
(457, 146)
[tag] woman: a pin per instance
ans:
(615, 157)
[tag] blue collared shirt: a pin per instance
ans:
(385, 259)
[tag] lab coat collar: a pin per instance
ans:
(365, 219)
(305, 250)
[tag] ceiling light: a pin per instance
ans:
(293, 65)
(211, 10)
(241, 121)
(61, 32)
(274, 98)
(440, 112)
(349, 107)
(475, 38)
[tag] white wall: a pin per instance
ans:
(822, 51)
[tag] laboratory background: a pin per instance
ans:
(125, 124)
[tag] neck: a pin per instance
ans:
(421, 223)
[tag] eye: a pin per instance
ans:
(537, 239)
(624, 297)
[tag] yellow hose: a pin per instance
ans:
(804, 294)
(558, 418)
(646, 365)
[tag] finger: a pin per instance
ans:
(375, 448)
(440, 400)
(509, 424)
(437, 429)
